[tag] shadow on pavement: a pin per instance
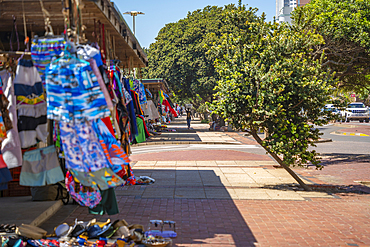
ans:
(331, 189)
(337, 158)
(204, 212)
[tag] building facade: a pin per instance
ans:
(284, 9)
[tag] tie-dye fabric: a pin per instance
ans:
(73, 92)
(115, 155)
(81, 147)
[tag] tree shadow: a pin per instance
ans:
(332, 189)
(338, 158)
(197, 200)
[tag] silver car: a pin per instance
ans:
(357, 111)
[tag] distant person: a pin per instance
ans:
(188, 117)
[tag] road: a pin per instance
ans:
(341, 144)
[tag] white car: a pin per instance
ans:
(357, 111)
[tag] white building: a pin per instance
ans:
(284, 9)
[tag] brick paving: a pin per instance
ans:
(339, 220)
(198, 155)
(207, 222)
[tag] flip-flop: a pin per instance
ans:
(11, 228)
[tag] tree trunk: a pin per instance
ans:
(290, 171)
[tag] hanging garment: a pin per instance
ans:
(73, 92)
(4, 103)
(108, 204)
(85, 156)
(27, 81)
(108, 122)
(115, 155)
(11, 146)
(105, 178)
(131, 110)
(2, 128)
(101, 84)
(142, 96)
(127, 96)
(167, 104)
(140, 126)
(5, 175)
(151, 111)
(147, 135)
(43, 50)
(87, 196)
(135, 99)
(82, 148)
(32, 124)
(41, 167)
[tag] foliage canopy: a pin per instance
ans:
(345, 27)
(180, 55)
(269, 80)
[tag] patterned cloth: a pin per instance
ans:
(127, 96)
(73, 92)
(142, 96)
(43, 50)
(88, 196)
(105, 178)
(2, 128)
(115, 155)
(82, 148)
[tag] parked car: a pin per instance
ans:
(334, 111)
(357, 111)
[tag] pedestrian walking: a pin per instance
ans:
(188, 117)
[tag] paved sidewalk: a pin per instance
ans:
(178, 133)
(234, 198)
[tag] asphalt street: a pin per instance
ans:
(342, 144)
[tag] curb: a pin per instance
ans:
(348, 133)
(47, 213)
(183, 142)
(323, 140)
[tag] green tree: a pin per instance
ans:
(268, 80)
(345, 27)
(179, 54)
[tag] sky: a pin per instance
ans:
(158, 13)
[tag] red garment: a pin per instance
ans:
(165, 102)
(108, 123)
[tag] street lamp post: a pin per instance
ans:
(133, 14)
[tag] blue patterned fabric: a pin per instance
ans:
(82, 149)
(127, 96)
(73, 92)
(142, 96)
(43, 50)
(131, 110)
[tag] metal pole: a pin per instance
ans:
(133, 23)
